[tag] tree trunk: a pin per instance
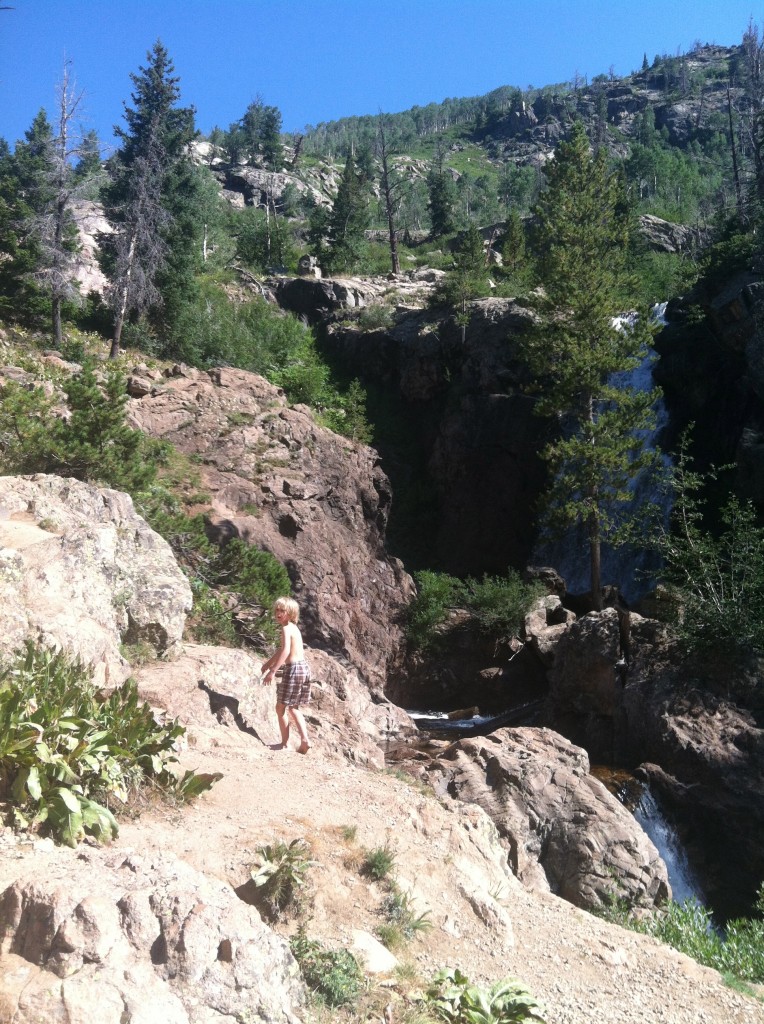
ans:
(596, 568)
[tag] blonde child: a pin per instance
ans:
(294, 688)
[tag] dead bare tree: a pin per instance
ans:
(54, 224)
(392, 194)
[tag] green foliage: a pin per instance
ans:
(251, 579)
(280, 874)
(376, 317)
(257, 578)
(716, 579)
(402, 922)
(333, 975)
(67, 752)
(499, 604)
(688, 927)
(442, 197)
(348, 220)
(264, 241)
(456, 1001)
(436, 594)
(93, 444)
(378, 863)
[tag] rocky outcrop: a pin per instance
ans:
(471, 426)
(564, 832)
(674, 712)
(80, 570)
(319, 503)
(663, 236)
(117, 936)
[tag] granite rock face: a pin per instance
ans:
(318, 502)
(144, 939)
(80, 570)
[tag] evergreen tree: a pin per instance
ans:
(348, 220)
(145, 200)
(582, 239)
(442, 197)
(89, 162)
(26, 190)
(513, 251)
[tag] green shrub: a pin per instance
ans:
(258, 578)
(280, 874)
(376, 317)
(500, 603)
(67, 754)
(436, 594)
(378, 863)
(456, 1001)
(401, 922)
(716, 579)
(93, 444)
(688, 927)
(331, 974)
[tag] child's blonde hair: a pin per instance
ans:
(288, 605)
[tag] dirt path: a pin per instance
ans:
(483, 921)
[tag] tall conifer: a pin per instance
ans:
(147, 200)
(580, 345)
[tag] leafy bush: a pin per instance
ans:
(456, 1001)
(249, 579)
(67, 753)
(402, 923)
(257, 577)
(331, 974)
(378, 863)
(717, 581)
(280, 874)
(688, 927)
(436, 594)
(93, 444)
(376, 317)
(499, 604)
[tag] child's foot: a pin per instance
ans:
(277, 746)
(304, 747)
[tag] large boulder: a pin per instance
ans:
(80, 570)
(563, 830)
(317, 501)
(113, 936)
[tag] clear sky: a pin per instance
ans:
(318, 60)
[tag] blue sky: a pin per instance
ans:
(318, 60)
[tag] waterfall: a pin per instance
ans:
(683, 881)
(629, 568)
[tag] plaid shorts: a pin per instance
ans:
(294, 686)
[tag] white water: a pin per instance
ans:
(683, 881)
(626, 567)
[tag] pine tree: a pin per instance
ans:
(582, 240)
(348, 220)
(442, 197)
(145, 200)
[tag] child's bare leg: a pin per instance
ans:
(283, 724)
(299, 720)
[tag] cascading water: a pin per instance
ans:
(629, 568)
(684, 883)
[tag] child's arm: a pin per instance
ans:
(275, 661)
